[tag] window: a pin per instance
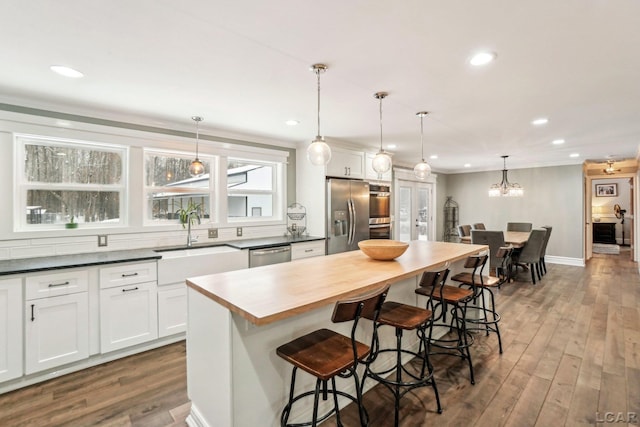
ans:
(65, 179)
(252, 190)
(170, 187)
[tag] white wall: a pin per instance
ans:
(552, 196)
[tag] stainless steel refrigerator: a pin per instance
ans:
(347, 214)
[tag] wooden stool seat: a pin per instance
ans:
(322, 353)
(468, 279)
(446, 293)
(403, 316)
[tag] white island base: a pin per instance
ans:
(234, 375)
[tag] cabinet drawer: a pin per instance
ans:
(307, 250)
(54, 284)
(127, 274)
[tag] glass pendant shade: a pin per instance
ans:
(318, 152)
(196, 168)
(422, 170)
(382, 161)
(505, 188)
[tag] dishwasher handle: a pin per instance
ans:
(270, 251)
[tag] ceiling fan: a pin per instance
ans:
(609, 170)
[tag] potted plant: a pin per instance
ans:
(71, 223)
(184, 213)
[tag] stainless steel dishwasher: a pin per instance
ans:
(267, 256)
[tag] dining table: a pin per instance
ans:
(517, 239)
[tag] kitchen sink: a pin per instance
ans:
(179, 264)
(189, 252)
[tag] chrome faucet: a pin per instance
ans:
(190, 215)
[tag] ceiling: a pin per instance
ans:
(244, 67)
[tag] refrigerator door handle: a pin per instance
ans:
(351, 228)
(355, 220)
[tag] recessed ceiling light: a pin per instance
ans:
(66, 71)
(292, 122)
(467, 165)
(482, 58)
(433, 156)
(557, 141)
(574, 155)
(391, 146)
(540, 121)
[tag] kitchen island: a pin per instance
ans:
(237, 319)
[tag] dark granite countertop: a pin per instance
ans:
(30, 265)
(269, 242)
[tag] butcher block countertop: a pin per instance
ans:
(275, 292)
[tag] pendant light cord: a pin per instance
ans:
(318, 74)
(380, 98)
(421, 136)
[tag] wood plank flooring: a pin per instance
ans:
(571, 357)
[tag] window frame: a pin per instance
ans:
(23, 185)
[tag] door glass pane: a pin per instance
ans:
(404, 214)
(422, 218)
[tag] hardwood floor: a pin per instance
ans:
(571, 357)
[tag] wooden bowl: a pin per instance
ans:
(382, 249)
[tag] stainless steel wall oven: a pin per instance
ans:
(379, 212)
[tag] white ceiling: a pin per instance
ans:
(244, 67)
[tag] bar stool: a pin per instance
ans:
(400, 379)
(442, 296)
(487, 318)
(326, 354)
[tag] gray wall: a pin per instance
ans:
(552, 196)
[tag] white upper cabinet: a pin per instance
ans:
(346, 164)
(372, 175)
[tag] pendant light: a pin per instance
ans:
(318, 152)
(382, 161)
(422, 170)
(196, 168)
(505, 188)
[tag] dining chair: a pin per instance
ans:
(519, 226)
(478, 226)
(544, 248)
(495, 240)
(464, 230)
(531, 253)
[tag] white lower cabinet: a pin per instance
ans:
(10, 329)
(307, 249)
(56, 331)
(172, 309)
(128, 315)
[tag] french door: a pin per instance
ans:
(415, 218)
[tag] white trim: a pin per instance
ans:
(577, 262)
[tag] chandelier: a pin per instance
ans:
(382, 161)
(422, 170)
(318, 152)
(505, 188)
(196, 168)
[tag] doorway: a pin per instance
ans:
(414, 205)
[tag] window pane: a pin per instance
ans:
(168, 170)
(57, 207)
(250, 205)
(75, 165)
(164, 205)
(247, 175)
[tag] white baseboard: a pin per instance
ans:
(577, 262)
